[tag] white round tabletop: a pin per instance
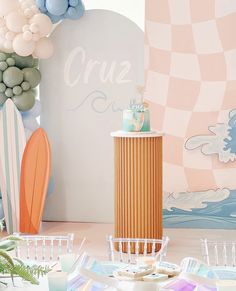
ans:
(121, 133)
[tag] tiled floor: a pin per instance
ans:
(183, 242)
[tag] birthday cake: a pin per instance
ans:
(136, 118)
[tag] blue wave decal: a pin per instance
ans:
(216, 215)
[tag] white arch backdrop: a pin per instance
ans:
(96, 67)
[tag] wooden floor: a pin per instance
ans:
(183, 242)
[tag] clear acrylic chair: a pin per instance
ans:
(43, 248)
(127, 250)
(219, 253)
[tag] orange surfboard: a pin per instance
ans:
(35, 172)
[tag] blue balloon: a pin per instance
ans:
(36, 110)
(61, 9)
(54, 18)
(56, 7)
(75, 12)
(30, 123)
(71, 13)
(51, 186)
(41, 5)
(28, 133)
(1, 210)
(73, 3)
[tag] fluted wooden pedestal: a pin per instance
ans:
(138, 185)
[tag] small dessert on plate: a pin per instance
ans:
(133, 272)
(167, 268)
(155, 277)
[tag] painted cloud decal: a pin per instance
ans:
(222, 141)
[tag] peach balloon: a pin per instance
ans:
(6, 6)
(44, 48)
(43, 22)
(8, 46)
(2, 40)
(15, 21)
(23, 47)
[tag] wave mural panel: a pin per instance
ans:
(191, 87)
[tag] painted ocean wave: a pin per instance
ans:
(215, 215)
(194, 221)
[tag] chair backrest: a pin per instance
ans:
(219, 253)
(44, 248)
(127, 250)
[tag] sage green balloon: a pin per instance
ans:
(25, 101)
(9, 92)
(3, 57)
(13, 77)
(33, 76)
(17, 90)
(2, 87)
(25, 86)
(11, 62)
(23, 62)
(3, 99)
(3, 66)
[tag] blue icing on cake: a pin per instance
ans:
(136, 118)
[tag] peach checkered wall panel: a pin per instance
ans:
(191, 88)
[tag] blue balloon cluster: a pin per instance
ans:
(61, 9)
(30, 118)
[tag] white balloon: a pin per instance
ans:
(8, 46)
(6, 6)
(28, 12)
(23, 47)
(2, 22)
(10, 35)
(35, 9)
(15, 21)
(36, 37)
(44, 23)
(3, 31)
(27, 35)
(26, 27)
(34, 28)
(44, 48)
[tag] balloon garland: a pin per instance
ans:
(25, 28)
(59, 10)
(18, 78)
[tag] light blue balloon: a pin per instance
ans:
(73, 3)
(30, 122)
(54, 18)
(51, 186)
(71, 13)
(41, 5)
(56, 7)
(1, 210)
(28, 133)
(75, 12)
(36, 110)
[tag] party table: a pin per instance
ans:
(138, 184)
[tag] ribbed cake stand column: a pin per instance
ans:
(138, 185)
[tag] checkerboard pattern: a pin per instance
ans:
(191, 85)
